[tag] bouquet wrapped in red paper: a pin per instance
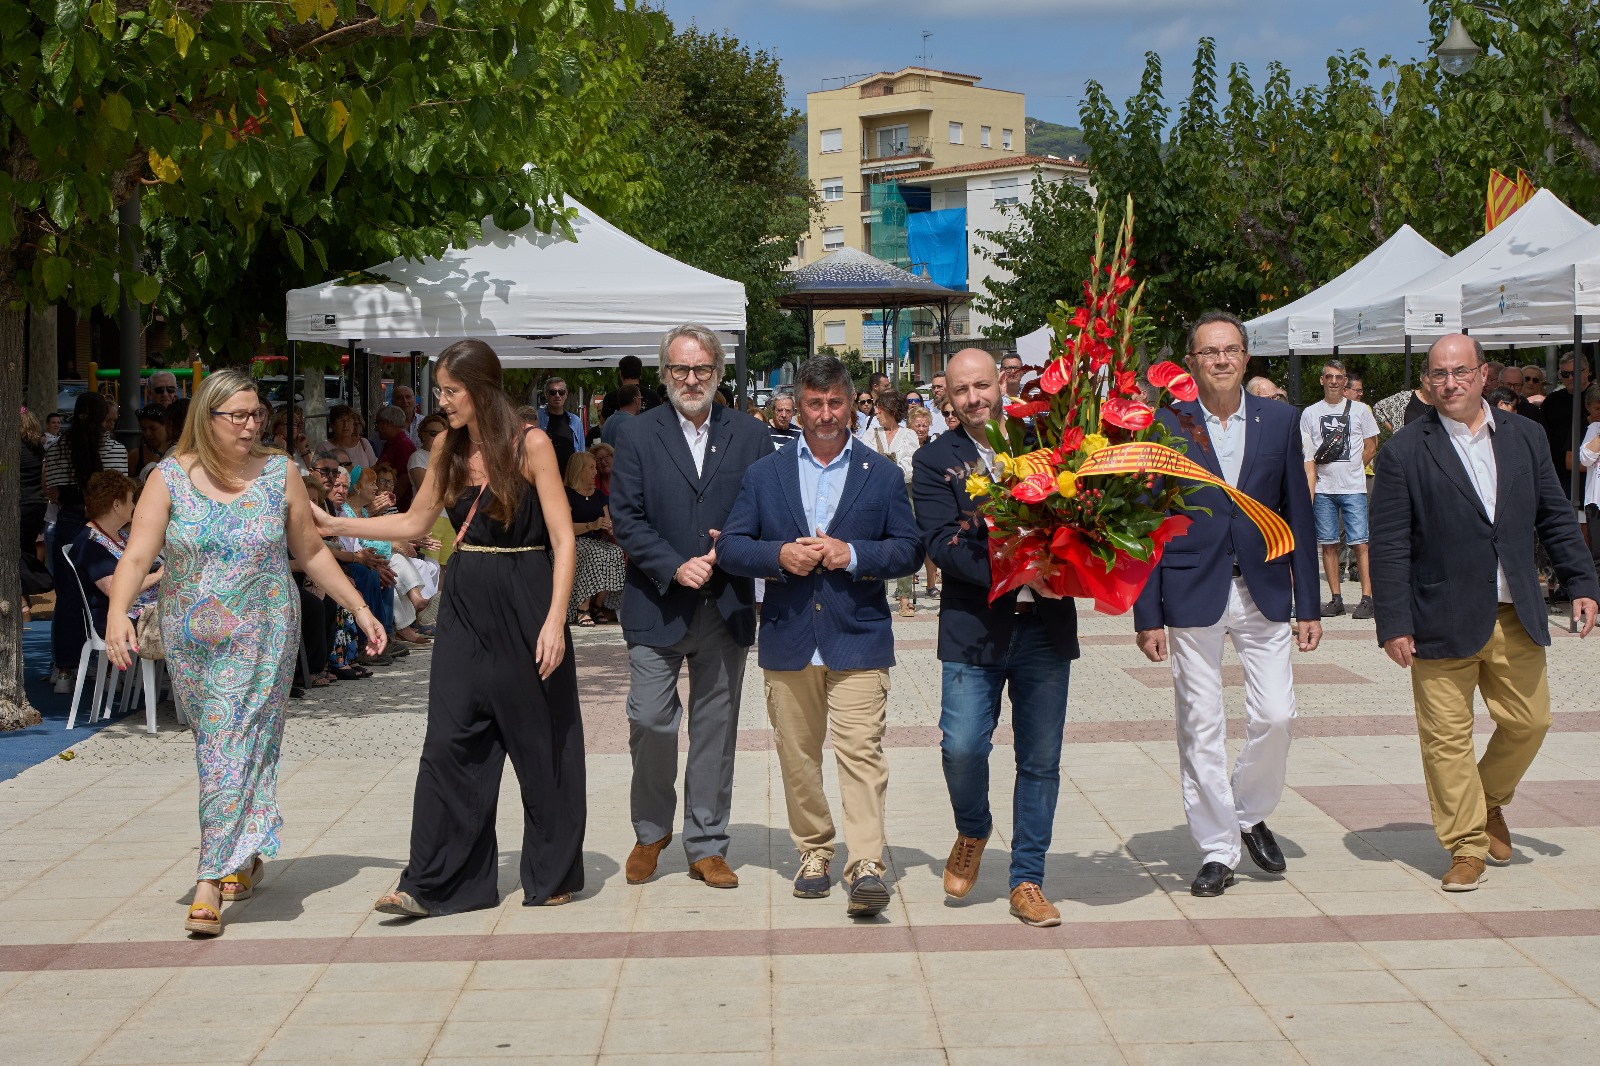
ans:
(1079, 509)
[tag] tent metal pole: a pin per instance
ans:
(739, 365)
(1294, 377)
(350, 368)
(294, 364)
(1408, 361)
(1576, 475)
(416, 379)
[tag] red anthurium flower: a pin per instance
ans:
(1174, 379)
(1081, 318)
(1055, 376)
(1071, 441)
(1127, 383)
(1027, 410)
(1035, 488)
(1127, 414)
(1102, 328)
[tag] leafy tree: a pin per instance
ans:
(1044, 251)
(724, 189)
(309, 129)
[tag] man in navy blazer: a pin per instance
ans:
(1462, 491)
(676, 474)
(1215, 583)
(1025, 642)
(825, 522)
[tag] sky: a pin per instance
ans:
(1048, 49)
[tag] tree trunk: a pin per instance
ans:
(313, 397)
(42, 362)
(15, 711)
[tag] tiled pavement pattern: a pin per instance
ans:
(1353, 956)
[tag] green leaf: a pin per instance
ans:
(145, 289)
(297, 249)
(57, 276)
(61, 200)
(117, 111)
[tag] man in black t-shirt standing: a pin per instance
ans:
(629, 371)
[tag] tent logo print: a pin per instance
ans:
(1360, 322)
(1502, 299)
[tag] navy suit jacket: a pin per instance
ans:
(1434, 551)
(970, 630)
(1190, 587)
(662, 514)
(846, 617)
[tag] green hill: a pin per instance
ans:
(1048, 138)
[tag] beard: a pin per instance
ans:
(686, 405)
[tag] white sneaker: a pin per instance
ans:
(63, 681)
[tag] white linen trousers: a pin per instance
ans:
(1218, 806)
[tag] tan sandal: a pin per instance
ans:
(211, 926)
(241, 885)
(401, 904)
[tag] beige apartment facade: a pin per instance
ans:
(889, 127)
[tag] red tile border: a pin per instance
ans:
(830, 940)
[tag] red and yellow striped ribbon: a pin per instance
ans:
(1149, 458)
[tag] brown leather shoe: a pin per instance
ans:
(1029, 904)
(961, 869)
(641, 865)
(1499, 837)
(1465, 874)
(713, 870)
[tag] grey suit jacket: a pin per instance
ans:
(663, 512)
(1434, 550)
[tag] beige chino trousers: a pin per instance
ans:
(1510, 672)
(806, 706)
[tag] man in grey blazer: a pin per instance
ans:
(676, 474)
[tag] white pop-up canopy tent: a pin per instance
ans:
(1542, 301)
(1034, 346)
(1306, 326)
(1429, 306)
(535, 297)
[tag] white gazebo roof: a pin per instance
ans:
(1538, 303)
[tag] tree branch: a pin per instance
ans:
(1566, 124)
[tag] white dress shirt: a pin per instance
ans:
(696, 439)
(1477, 455)
(1228, 438)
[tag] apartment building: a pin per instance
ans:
(877, 135)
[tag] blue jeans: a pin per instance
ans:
(1038, 678)
(1346, 509)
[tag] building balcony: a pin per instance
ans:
(902, 154)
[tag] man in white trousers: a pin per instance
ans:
(1215, 583)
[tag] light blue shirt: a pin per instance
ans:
(1228, 438)
(820, 490)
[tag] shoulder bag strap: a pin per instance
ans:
(471, 513)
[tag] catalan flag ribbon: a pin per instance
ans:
(1151, 458)
(1503, 200)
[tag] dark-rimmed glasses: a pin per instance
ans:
(241, 418)
(702, 372)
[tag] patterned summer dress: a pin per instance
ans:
(230, 617)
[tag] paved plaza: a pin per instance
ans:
(1353, 956)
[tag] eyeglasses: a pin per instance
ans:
(240, 418)
(555, 392)
(1565, 375)
(701, 372)
(327, 471)
(1211, 355)
(865, 403)
(1333, 379)
(173, 389)
(1462, 374)
(914, 401)
(440, 392)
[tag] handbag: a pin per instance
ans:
(1335, 438)
(147, 631)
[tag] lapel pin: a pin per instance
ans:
(863, 466)
(713, 449)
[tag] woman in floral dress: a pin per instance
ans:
(228, 511)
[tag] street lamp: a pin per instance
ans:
(1458, 52)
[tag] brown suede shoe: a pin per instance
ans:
(1465, 874)
(961, 869)
(1029, 904)
(1499, 837)
(641, 865)
(713, 870)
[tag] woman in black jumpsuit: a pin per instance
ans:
(502, 681)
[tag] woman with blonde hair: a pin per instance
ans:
(228, 512)
(502, 681)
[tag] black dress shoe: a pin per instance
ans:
(1212, 880)
(1264, 850)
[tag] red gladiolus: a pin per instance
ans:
(1127, 383)
(1102, 328)
(1035, 488)
(1174, 379)
(1099, 354)
(1127, 414)
(1027, 410)
(1122, 284)
(1055, 376)
(1081, 318)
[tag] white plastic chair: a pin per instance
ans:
(104, 695)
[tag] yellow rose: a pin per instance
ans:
(1067, 484)
(977, 486)
(1095, 442)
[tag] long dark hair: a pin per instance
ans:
(83, 436)
(476, 368)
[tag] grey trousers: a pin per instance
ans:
(716, 679)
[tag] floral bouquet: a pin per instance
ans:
(1083, 510)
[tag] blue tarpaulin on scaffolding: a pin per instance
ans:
(939, 240)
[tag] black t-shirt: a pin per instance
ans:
(559, 428)
(1415, 409)
(31, 468)
(588, 509)
(1556, 415)
(648, 399)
